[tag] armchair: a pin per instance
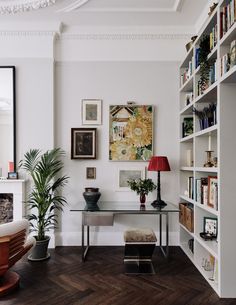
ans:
(14, 243)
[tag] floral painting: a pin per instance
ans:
(131, 133)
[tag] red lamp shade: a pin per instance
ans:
(159, 164)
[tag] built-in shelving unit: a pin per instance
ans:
(209, 192)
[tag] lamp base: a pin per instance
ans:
(158, 203)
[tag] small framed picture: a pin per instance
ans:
(90, 172)
(12, 175)
(91, 112)
(125, 174)
(210, 226)
(212, 192)
(83, 143)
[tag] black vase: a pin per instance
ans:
(91, 196)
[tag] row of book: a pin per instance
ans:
(228, 60)
(187, 72)
(206, 191)
(213, 37)
(227, 17)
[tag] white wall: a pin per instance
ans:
(48, 105)
(153, 83)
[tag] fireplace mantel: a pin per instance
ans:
(17, 188)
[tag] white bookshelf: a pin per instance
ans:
(223, 143)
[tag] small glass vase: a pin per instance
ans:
(142, 199)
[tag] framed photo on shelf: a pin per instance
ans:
(187, 126)
(210, 226)
(90, 172)
(83, 143)
(125, 174)
(92, 112)
(12, 175)
(212, 192)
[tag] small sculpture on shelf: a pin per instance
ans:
(209, 162)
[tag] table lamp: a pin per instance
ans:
(158, 164)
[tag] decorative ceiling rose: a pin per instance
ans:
(13, 7)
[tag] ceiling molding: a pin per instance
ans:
(13, 7)
(123, 36)
(27, 33)
(79, 3)
(71, 7)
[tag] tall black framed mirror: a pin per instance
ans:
(7, 120)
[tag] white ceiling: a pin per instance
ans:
(76, 13)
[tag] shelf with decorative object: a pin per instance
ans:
(213, 147)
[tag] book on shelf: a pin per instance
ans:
(198, 190)
(197, 51)
(213, 37)
(232, 53)
(204, 190)
(190, 188)
(227, 17)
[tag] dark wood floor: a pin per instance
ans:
(65, 280)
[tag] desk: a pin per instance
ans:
(112, 208)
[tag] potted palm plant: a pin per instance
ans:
(44, 198)
(142, 187)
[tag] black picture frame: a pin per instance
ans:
(12, 175)
(210, 226)
(83, 143)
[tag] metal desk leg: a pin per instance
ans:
(160, 229)
(167, 235)
(82, 242)
(85, 248)
(165, 251)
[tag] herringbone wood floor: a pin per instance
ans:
(65, 280)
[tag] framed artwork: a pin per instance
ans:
(212, 192)
(12, 175)
(210, 226)
(125, 174)
(130, 132)
(83, 143)
(91, 112)
(90, 172)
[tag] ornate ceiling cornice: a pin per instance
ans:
(123, 36)
(13, 7)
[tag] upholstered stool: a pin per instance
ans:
(139, 247)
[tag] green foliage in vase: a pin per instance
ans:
(142, 186)
(44, 197)
(204, 62)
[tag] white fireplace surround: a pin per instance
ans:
(17, 188)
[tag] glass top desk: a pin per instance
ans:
(112, 208)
